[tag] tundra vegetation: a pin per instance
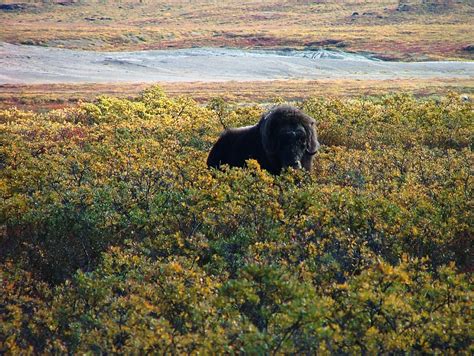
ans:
(44, 97)
(393, 29)
(117, 238)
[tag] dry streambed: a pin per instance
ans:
(21, 64)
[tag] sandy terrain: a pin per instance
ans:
(33, 65)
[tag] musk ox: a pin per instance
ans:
(284, 137)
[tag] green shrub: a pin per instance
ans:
(117, 238)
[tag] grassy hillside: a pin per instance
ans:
(410, 30)
(117, 238)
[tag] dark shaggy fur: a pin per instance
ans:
(284, 137)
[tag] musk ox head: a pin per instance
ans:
(284, 137)
(289, 137)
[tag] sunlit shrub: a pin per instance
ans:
(173, 256)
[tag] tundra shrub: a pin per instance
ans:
(117, 238)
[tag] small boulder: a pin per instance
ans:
(404, 7)
(469, 48)
(13, 7)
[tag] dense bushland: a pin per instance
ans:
(117, 238)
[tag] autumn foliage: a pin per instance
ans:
(117, 238)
